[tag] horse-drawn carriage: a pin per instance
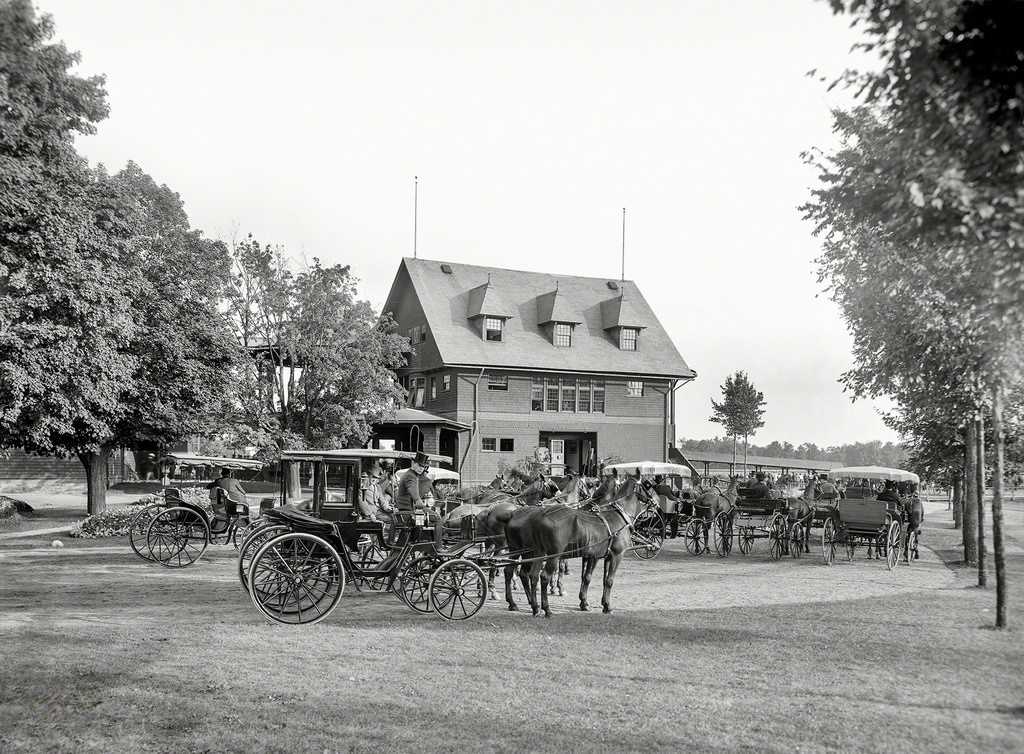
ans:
(860, 518)
(296, 564)
(753, 518)
(670, 513)
(174, 531)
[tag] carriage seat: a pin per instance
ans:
(301, 521)
(220, 502)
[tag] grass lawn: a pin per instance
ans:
(101, 651)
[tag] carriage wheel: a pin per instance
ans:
(236, 532)
(911, 549)
(177, 537)
(777, 535)
(414, 583)
(893, 541)
(251, 544)
(457, 589)
(829, 537)
(796, 539)
(746, 540)
(648, 535)
(296, 578)
(139, 528)
(723, 534)
(694, 534)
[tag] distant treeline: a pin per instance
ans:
(870, 453)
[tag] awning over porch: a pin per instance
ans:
(409, 416)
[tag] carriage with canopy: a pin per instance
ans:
(174, 531)
(296, 564)
(650, 525)
(861, 519)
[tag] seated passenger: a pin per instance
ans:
(663, 489)
(233, 492)
(416, 493)
(827, 489)
(759, 490)
(889, 493)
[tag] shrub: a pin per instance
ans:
(115, 522)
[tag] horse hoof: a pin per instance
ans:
(547, 613)
(607, 610)
(561, 593)
(513, 608)
(585, 608)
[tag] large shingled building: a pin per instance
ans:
(578, 365)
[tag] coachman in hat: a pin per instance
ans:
(416, 493)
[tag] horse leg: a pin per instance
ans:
(586, 570)
(492, 576)
(563, 570)
(611, 564)
(510, 570)
(531, 582)
(549, 571)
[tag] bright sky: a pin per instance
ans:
(530, 125)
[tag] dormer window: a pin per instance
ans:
(627, 338)
(563, 334)
(493, 327)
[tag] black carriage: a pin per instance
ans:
(859, 518)
(296, 564)
(750, 519)
(175, 532)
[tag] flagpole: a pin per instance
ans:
(415, 213)
(623, 244)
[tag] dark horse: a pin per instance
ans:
(542, 536)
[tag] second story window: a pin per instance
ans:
(537, 394)
(496, 382)
(433, 388)
(634, 389)
(563, 335)
(417, 387)
(627, 339)
(446, 382)
(493, 328)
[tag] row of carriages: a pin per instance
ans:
(295, 564)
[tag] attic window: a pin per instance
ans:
(446, 269)
(613, 285)
(562, 335)
(493, 327)
(627, 338)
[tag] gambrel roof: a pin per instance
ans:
(453, 296)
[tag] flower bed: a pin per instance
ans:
(114, 522)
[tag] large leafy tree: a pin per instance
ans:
(322, 366)
(921, 213)
(109, 329)
(740, 411)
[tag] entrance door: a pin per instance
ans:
(557, 457)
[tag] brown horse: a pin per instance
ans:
(915, 517)
(542, 536)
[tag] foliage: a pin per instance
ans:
(110, 332)
(741, 409)
(322, 366)
(874, 452)
(115, 522)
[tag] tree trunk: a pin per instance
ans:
(293, 484)
(980, 438)
(734, 440)
(998, 551)
(958, 500)
(96, 479)
(970, 530)
(744, 455)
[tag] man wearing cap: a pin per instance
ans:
(415, 493)
(233, 492)
(370, 495)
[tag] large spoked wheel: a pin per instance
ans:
(892, 544)
(696, 535)
(746, 539)
(236, 531)
(648, 535)
(829, 540)
(296, 578)
(177, 537)
(796, 539)
(458, 589)
(777, 536)
(414, 583)
(723, 534)
(912, 545)
(139, 528)
(251, 544)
